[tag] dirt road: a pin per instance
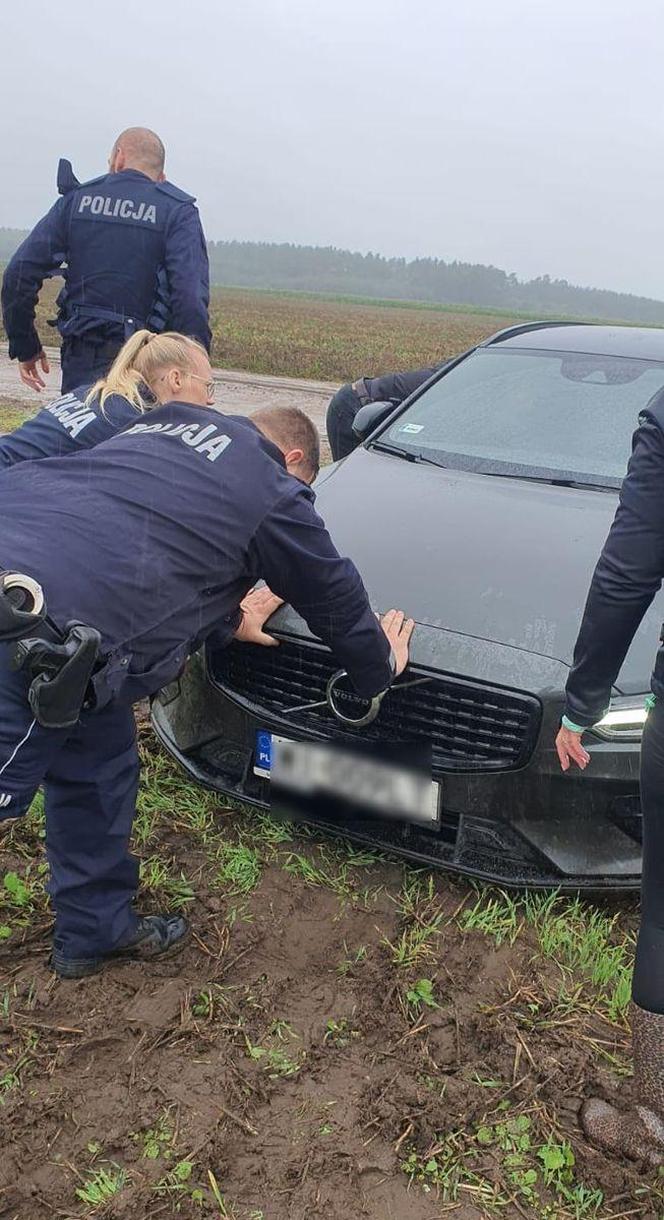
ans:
(237, 393)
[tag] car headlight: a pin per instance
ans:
(624, 720)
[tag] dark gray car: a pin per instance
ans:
(480, 506)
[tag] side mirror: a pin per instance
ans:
(370, 416)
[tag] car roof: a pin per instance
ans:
(636, 342)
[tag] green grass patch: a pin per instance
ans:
(178, 1183)
(279, 1054)
(421, 995)
(355, 957)
(503, 1161)
(496, 915)
(240, 868)
(594, 956)
(422, 922)
(584, 941)
(164, 793)
(11, 1076)
(161, 879)
(156, 1143)
(22, 895)
(101, 1186)
(12, 415)
(415, 945)
(333, 868)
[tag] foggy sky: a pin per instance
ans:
(524, 133)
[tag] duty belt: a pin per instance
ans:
(360, 388)
(96, 315)
(60, 663)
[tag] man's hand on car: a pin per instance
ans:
(257, 607)
(568, 745)
(29, 373)
(398, 630)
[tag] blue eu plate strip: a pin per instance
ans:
(263, 755)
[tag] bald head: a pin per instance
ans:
(141, 149)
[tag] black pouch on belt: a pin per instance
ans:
(59, 663)
(60, 672)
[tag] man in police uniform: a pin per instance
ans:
(135, 257)
(344, 406)
(153, 538)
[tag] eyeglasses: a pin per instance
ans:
(209, 385)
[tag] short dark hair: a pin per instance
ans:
(291, 428)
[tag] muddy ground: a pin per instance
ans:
(342, 1037)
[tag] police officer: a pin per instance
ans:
(154, 538)
(90, 414)
(135, 258)
(345, 404)
(628, 574)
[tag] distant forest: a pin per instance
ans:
(325, 269)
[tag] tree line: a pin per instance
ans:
(325, 269)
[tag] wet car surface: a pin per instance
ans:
(480, 506)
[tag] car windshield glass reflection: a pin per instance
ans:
(564, 415)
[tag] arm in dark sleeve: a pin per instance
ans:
(396, 387)
(627, 577)
(188, 274)
(42, 252)
(295, 555)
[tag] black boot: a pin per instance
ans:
(638, 1132)
(153, 936)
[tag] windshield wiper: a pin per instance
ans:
(383, 447)
(553, 480)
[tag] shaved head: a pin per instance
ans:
(139, 148)
(294, 434)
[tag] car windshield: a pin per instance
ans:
(531, 414)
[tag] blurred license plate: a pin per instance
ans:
(312, 768)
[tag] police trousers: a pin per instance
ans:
(648, 982)
(85, 360)
(341, 412)
(90, 778)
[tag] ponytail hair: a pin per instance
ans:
(138, 364)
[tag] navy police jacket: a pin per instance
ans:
(135, 257)
(155, 536)
(628, 575)
(66, 426)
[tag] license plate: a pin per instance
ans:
(308, 769)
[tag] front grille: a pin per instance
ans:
(469, 725)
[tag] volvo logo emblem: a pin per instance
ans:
(346, 705)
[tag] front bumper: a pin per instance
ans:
(529, 827)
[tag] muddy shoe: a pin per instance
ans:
(638, 1132)
(154, 936)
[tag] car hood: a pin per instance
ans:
(483, 558)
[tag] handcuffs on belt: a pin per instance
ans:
(60, 663)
